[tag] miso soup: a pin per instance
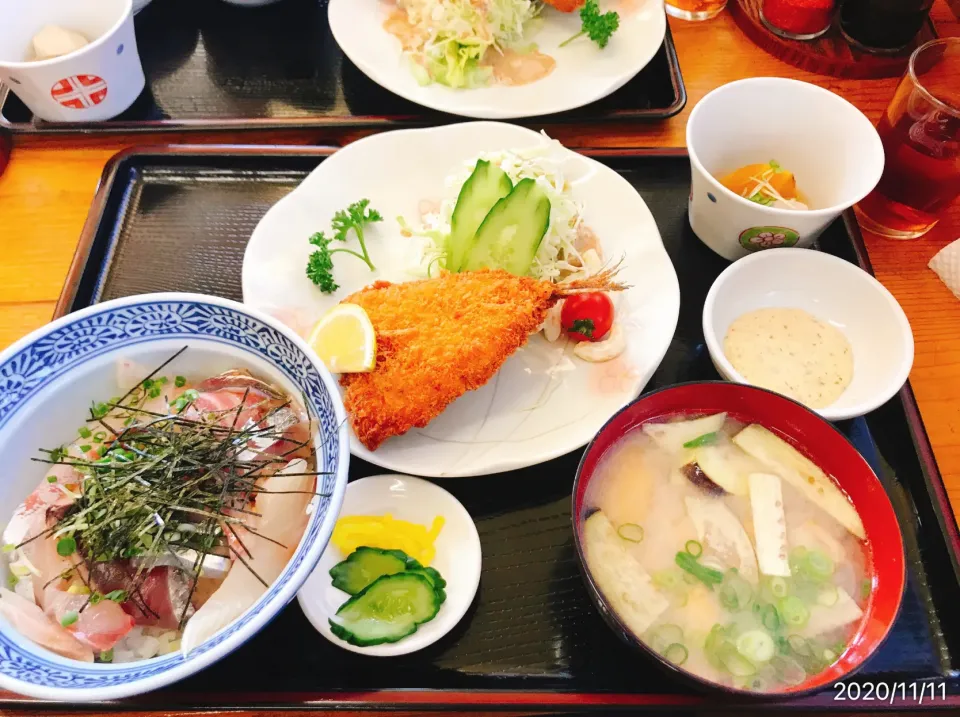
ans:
(727, 551)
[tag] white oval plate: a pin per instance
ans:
(544, 402)
(458, 557)
(584, 72)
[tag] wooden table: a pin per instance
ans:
(46, 191)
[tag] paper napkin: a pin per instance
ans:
(946, 265)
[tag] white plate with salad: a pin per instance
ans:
(499, 59)
(552, 395)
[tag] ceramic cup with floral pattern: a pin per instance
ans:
(830, 146)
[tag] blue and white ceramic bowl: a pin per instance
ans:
(47, 382)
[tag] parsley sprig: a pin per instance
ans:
(320, 264)
(598, 26)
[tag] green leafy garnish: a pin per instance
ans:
(584, 327)
(69, 618)
(708, 576)
(66, 546)
(320, 263)
(763, 199)
(701, 440)
(598, 26)
(116, 595)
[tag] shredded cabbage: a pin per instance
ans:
(563, 253)
(457, 34)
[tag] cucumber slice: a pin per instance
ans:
(511, 233)
(485, 187)
(388, 610)
(364, 565)
(435, 579)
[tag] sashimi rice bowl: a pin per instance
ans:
(175, 464)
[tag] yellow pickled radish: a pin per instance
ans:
(387, 533)
(344, 340)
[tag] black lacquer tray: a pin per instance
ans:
(532, 639)
(212, 65)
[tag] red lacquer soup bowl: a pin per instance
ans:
(817, 440)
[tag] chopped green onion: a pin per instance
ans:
(828, 596)
(106, 655)
(99, 410)
(708, 576)
(694, 548)
(866, 587)
(817, 566)
(163, 381)
(771, 618)
(735, 663)
(661, 637)
(99, 437)
(666, 579)
(779, 587)
(676, 653)
(51, 479)
(829, 656)
(631, 532)
(759, 684)
(793, 611)
(735, 592)
(66, 546)
(756, 646)
(69, 618)
(95, 598)
(783, 645)
(9, 548)
(84, 432)
(147, 384)
(116, 595)
(180, 381)
(788, 670)
(154, 392)
(12, 580)
(701, 440)
(799, 645)
(85, 448)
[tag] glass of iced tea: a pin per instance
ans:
(695, 9)
(921, 140)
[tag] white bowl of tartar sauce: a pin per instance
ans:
(810, 326)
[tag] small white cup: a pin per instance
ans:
(829, 145)
(97, 82)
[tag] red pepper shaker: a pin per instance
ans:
(797, 19)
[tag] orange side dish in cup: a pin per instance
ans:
(767, 183)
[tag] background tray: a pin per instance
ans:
(212, 65)
(532, 638)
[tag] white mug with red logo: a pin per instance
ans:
(96, 82)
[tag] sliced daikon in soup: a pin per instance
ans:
(672, 436)
(798, 470)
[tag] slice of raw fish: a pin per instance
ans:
(282, 518)
(242, 380)
(99, 626)
(158, 600)
(28, 619)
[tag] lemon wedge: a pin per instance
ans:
(344, 340)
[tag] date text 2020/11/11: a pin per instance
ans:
(891, 692)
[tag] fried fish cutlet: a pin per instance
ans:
(439, 338)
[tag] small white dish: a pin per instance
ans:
(584, 72)
(834, 291)
(458, 557)
(544, 402)
(832, 149)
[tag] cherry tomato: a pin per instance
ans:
(566, 5)
(587, 317)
